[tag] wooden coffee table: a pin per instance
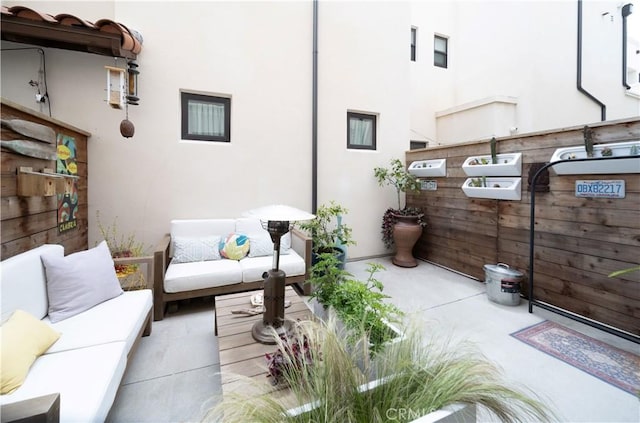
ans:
(240, 354)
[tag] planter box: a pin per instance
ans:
(323, 314)
(630, 165)
(454, 413)
(508, 189)
(509, 164)
(423, 168)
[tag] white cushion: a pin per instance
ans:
(23, 283)
(86, 378)
(260, 244)
(117, 320)
(202, 274)
(247, 225)
(256, 233)
(190, 249)
(253, 267)
(195, 228)
(79, 281)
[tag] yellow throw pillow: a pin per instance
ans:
(23, 338)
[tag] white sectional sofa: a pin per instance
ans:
(85, 366)
(200, 276)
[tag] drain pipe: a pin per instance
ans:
(627, 9)
(603, 107)
(314, 113)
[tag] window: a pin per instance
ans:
(414, 34)
(415, 145)
(361, 131)
(205, 117)
(440, 51)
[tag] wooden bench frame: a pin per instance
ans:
(300, 242)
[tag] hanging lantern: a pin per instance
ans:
(133, 72)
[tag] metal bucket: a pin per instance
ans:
(503, 284)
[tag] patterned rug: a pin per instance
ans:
(613, 365)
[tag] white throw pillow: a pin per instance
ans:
(285, 243)
(187, 250)
(79, 281)
(260, 244)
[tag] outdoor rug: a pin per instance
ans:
(610, 364)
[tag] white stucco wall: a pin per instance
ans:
(526, 50)
(260, 54)
(363, 66)
(257, 53)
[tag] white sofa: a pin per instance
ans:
(177, 281)
(87, 363)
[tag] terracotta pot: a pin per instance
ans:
(406, 233)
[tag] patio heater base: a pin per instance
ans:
(273, 316)
(263, 332)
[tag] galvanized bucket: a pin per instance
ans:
(503, 283)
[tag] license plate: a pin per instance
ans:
(600, 189)
(428, 185)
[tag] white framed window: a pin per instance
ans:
(205, 117)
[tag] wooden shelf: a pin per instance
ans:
(43, 184)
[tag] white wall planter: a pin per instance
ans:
(422, 168)
(630, 165)
(497, 188)
(509, 164)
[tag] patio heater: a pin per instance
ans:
(277, 220)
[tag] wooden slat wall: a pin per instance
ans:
(578, 241)
(28, 222)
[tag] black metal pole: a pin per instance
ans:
(314, 113)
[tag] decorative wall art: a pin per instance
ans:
(67, 200)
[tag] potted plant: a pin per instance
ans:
(628, 149)
(359, 305)
(499, 188)
(328, 233)
(415, 376)
(403, 225)
(293, 354)
(123, 247)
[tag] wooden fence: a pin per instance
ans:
(30, 221)
(578, 241)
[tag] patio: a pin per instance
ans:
(174, 376)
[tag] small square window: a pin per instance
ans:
(414, 36)
(440, 51)
(361, 131)
(415, 145)
(205, 117)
